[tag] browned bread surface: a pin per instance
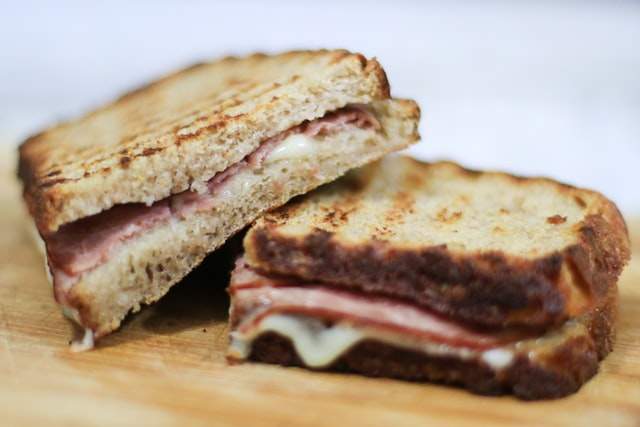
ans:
(564, 359)
(180, 130)
(482, 247)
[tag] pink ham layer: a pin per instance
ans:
(255, 296)
(84, 244)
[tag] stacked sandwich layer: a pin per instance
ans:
(433, 272)
(131, 197)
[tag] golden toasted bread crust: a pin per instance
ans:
(183, 128)
(491, 286)
(567, 361)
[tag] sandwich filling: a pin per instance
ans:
(324, 323)
(83, 245)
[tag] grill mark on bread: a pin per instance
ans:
(224, 119)
(218, 102)
(223, 104)
(151, 150)
(124, 161)
(556, 219)
(53, 182)
(220, 123)
(580, 201)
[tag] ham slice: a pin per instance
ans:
(85, 244)
(353, 115)
(82, 244)
(255, 296)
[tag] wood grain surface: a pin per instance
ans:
(166, 366)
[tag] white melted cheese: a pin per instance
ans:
(84, 344)
(498, 358)
(319, 345)
(238, 183)
(293, 147)
(316, 344)
(87, 341)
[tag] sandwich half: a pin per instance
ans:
(432, 272)
(131, 197)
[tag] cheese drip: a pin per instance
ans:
(318, 345)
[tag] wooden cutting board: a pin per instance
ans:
(166, 366)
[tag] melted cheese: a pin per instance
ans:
(84, 344)
(293, 147)
(498, 358)
(319, 345)
(239, 183)
(316, 344)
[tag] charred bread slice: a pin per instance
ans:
(485, 248)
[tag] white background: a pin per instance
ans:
(533, 87)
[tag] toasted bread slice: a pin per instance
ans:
(147, 265)
(485, 248)
(179, 131)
